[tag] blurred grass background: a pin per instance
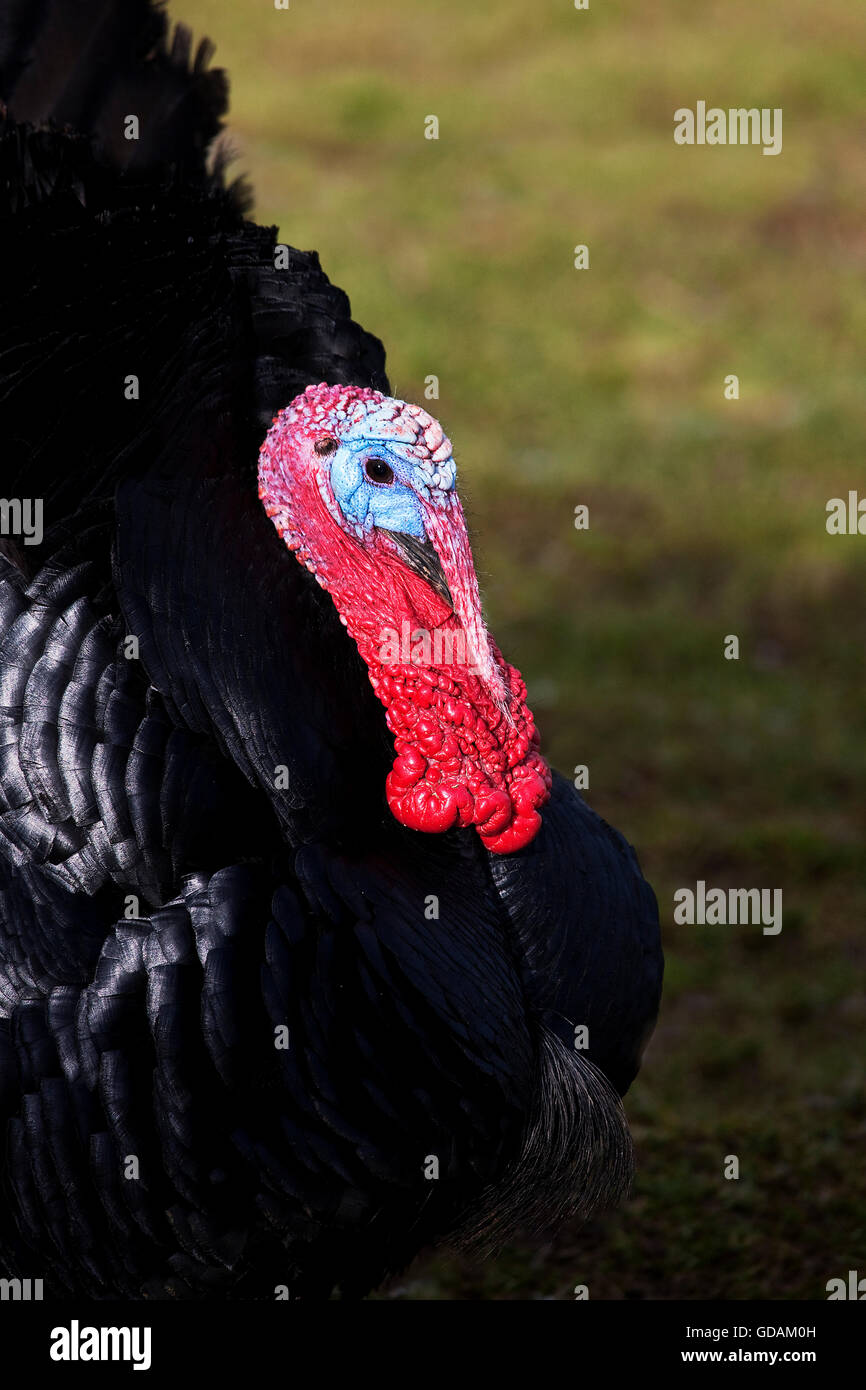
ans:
(605, 387)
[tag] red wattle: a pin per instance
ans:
(494, 813)
(518, 834)
(459, 762)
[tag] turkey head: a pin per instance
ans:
(362, 488)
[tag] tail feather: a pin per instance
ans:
(93, 64)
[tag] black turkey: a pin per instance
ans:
(298, 933)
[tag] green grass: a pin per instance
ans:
(605, 387)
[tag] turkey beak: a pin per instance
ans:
(422, 557)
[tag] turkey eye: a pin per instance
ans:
(325, 446)
(378, 471)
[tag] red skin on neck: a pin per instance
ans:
(465, 741)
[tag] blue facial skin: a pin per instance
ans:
(390, 506)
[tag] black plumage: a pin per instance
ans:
(165, 907)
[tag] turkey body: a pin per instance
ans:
(253, 1031)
